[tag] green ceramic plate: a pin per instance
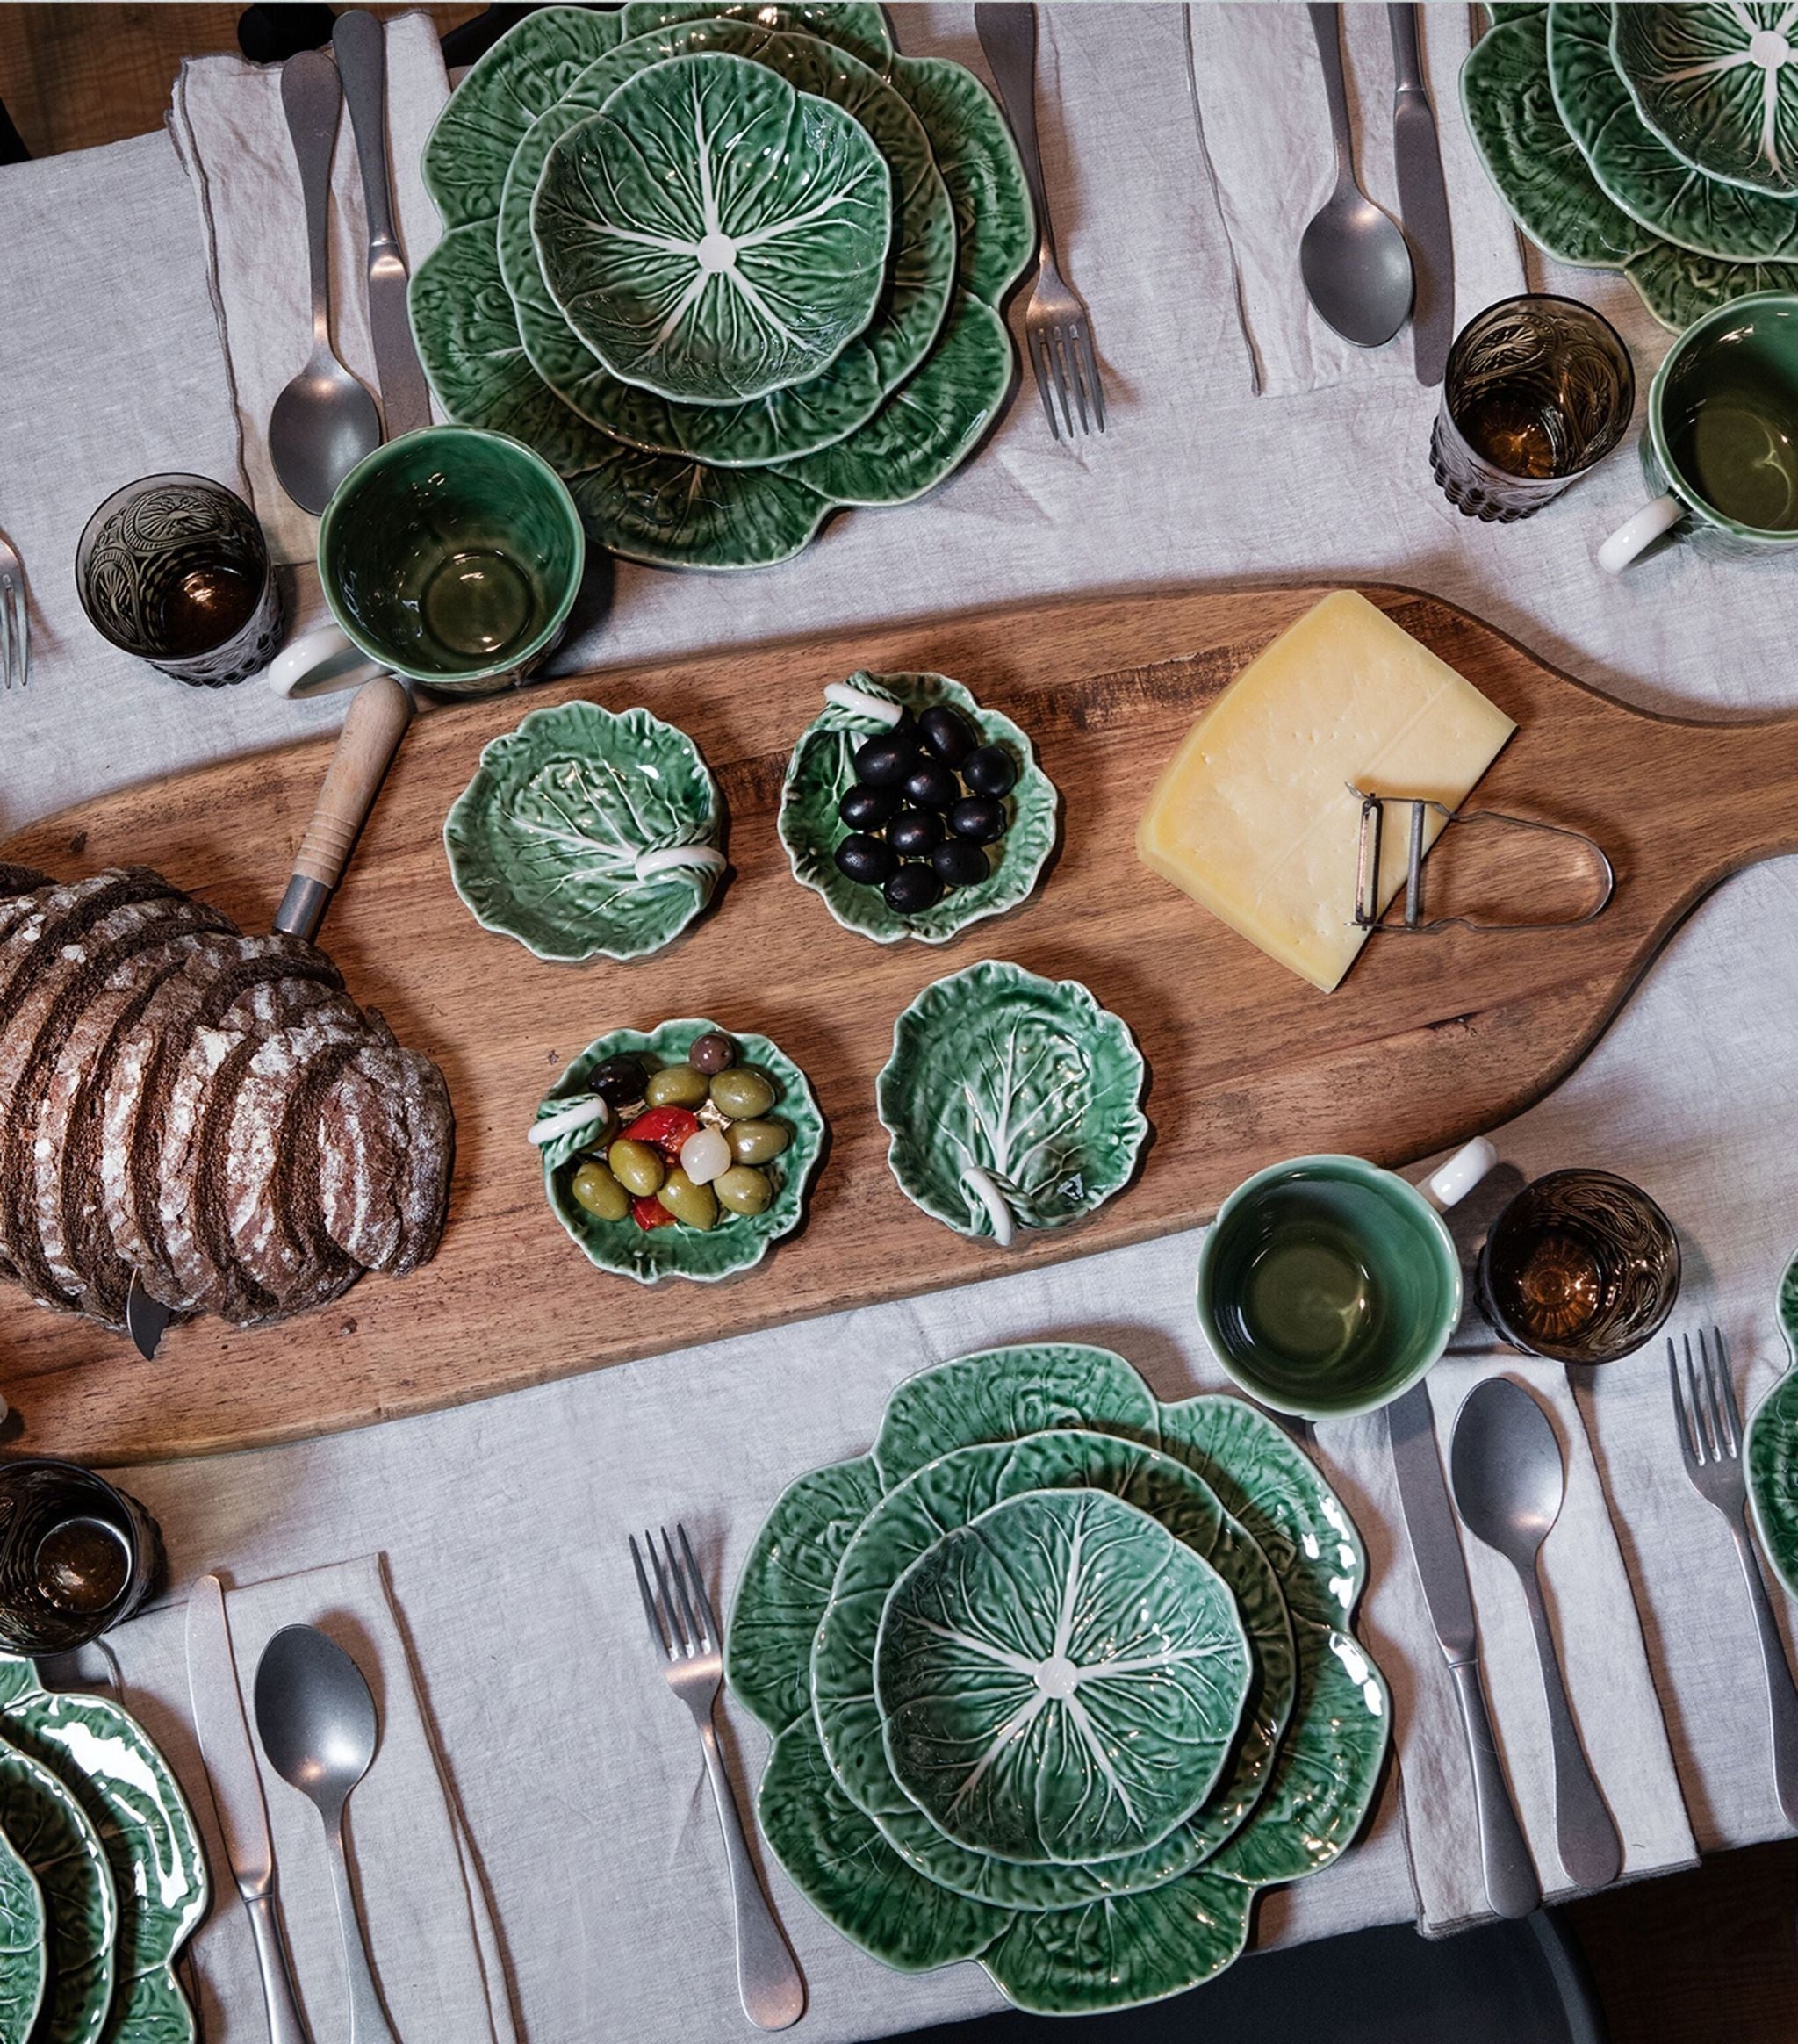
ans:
(1717, 81)
(712, 234)
(807, 416)
(1059, 1681)
(124, 1786)
(63, 1850)
(527, 70)
(24, 1945)
(860, 29)
(1539, 171)
(1636, 168)
(1771, 1452)
(587, 833)
(951, 1492)
(1010, 1099)
(823, 766)
(996, 226)
(739, 1241)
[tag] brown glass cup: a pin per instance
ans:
(175, 569)
(1537, 391)
(77, 1557)
(1581, 1266)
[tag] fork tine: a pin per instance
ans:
(1717, 1377)
(1071, 357)
(680, 1645)
(5, 631)
(1040, 368)
(696, 1576)
(689, 1623)
(24, 632)
(1083, 334)
(1700, 1408)
(658, 1631)
(1726, 1378)
(1058, 354)
(1682, 1417)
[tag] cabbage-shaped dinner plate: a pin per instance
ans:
(24, 1945)
(1059, 1679)
(1013, 1101)
(739, 1241)
(587, 833)
(823, 766)
(714, 235)
(858, 26)
(1770, 1454)
(58, 1841)
(1718, 83)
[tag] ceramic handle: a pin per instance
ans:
(1511, 1886)
(322, 663)
(1454, 1180)
(1586, 1839)
(371, 733)
(1635, 534)
(313, 99)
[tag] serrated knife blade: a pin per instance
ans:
(1511, 1885)
(223, 1732)
(1423, 201)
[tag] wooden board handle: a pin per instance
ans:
(366, 744)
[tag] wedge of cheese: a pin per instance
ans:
(1254, 816)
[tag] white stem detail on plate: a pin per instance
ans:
(673, 857)
(592, 1112)
(846, 696)
(1034, 1149)
(600, 847)
(981, 1184)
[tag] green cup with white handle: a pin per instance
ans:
(1327, 1287)
(1720, 452)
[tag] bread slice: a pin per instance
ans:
(386, 1147)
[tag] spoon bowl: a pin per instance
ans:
(1507, 1474)
(320, 426)
(1356, 268)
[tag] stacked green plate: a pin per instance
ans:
(714, 370)
(1658, 141)
(102, 1878)
(1058, 1677)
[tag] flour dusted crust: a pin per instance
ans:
(208, 1113)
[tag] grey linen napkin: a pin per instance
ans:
(230, 131)
(1264, 126)
(431, 1931)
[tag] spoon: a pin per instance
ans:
(324, 422)
(1353, 257)
(316, 1720)
(1509, 1483)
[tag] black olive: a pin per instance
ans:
(885, 761)
(868, 809)
(931, 785)
(913, 888)
(990, 770)
(978, 818)
(914, 832)
(947, 733)
(620, 1081)
(957, 863)
(865, 858)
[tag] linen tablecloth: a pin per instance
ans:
(503, 1524)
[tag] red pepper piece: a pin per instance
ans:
(663, 1129)
(650, 1213)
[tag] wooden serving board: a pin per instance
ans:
(1428, 1040)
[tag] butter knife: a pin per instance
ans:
(360, 46)
(1423, 201)
(1511, 1885)
(237, 1796)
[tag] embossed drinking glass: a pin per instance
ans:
(77, 1557)
(1538, 389)
(1581, 1266)
(175, 569)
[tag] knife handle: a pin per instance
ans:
(1407, 61)
(1511, 1885)
(286, 2026)
(361, 44)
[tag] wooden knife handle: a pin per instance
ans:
(370, 735)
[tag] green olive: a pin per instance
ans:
(636, 1166)
(599, 1192)
(745, 1189)
(742, 1093)
(676, 1086)
(758, 1143)
(692, 1205)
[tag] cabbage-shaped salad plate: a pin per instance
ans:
(1718, 83)
(587, 833)
(1013, 1101)
(713, 234)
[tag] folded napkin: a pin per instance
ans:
(1592, 1612)
(231, 132)
(435, 1950)
(1264, 123)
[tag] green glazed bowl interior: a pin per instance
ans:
(1707, 407)
(451, 554)
(1410, 1279)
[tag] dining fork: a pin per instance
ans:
(1057, 329)
(686, 1631)
(1710, 1441)
(14, 625)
